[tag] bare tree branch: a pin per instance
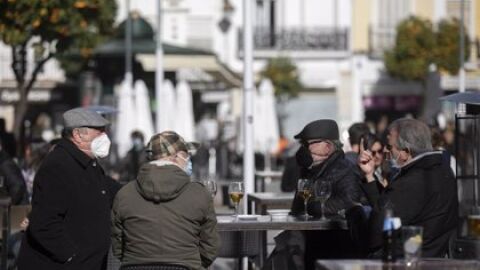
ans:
(35, 72)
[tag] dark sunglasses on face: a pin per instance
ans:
(379, 152)
(307, 144)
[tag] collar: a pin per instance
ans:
(419, 157)
(76, 153)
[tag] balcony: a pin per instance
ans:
(299, 42)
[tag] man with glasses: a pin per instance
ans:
(422, 193)
(69, 225)
(162, 216)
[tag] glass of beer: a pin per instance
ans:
(304, 189)
(236, 190)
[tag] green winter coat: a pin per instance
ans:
(163, 217)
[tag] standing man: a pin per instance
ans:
(423, 192)
(70, 220)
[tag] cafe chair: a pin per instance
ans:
(240, 244)
(153, 266)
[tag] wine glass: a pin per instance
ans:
(235, 190)
(323, 190)
(304, 187)
(211, 186)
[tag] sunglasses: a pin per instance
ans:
(379, 152)
(307, 144)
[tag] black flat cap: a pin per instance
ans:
(319, 129)
(80, 117)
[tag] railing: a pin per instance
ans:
(300, 39)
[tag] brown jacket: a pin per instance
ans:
(163, 217)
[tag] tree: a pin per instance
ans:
(412, 55)
(418, 46)
(447, 49)
(284, 75)
(52, 28)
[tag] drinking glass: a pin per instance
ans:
(304, 188)
(211, 186)
(235, 190)
(323, 190)
(412, 237)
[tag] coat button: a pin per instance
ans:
(94, 164)
(104, 192)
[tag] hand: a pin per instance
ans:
(366, 163)
(24, 224)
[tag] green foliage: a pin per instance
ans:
(284, 75)
(417, 46)
(447, 50)
(412, 54)
(63, 26)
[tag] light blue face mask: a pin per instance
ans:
(189, 168)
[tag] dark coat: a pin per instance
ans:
(346, 190)
(70, 213)
(13, 182)
(424, 193)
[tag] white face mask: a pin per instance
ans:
(101, 146)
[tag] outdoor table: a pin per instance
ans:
(266, 176)
(423, 264)
(261, 201)
(264, 223)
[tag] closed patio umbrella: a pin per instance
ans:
(125, 118)
(184, 122)
(166, 105)
(144, 122)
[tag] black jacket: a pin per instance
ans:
(424, 193)
(13, 182)
(346, 190)
(70, 213)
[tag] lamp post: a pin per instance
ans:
(159, 65)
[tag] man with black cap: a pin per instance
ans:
(69, 224)
(321, 159)
(162, 216)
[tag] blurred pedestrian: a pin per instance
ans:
(135, 157)
(69, 225)
(12, 183)
(163, 216)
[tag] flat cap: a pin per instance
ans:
(168, 143)
(81, 117)
(319, 129)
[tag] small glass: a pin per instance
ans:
(304, 189)
(236, 191)
(323, 190)
(211, 186)
(412, 238)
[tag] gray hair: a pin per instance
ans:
(413, 135)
